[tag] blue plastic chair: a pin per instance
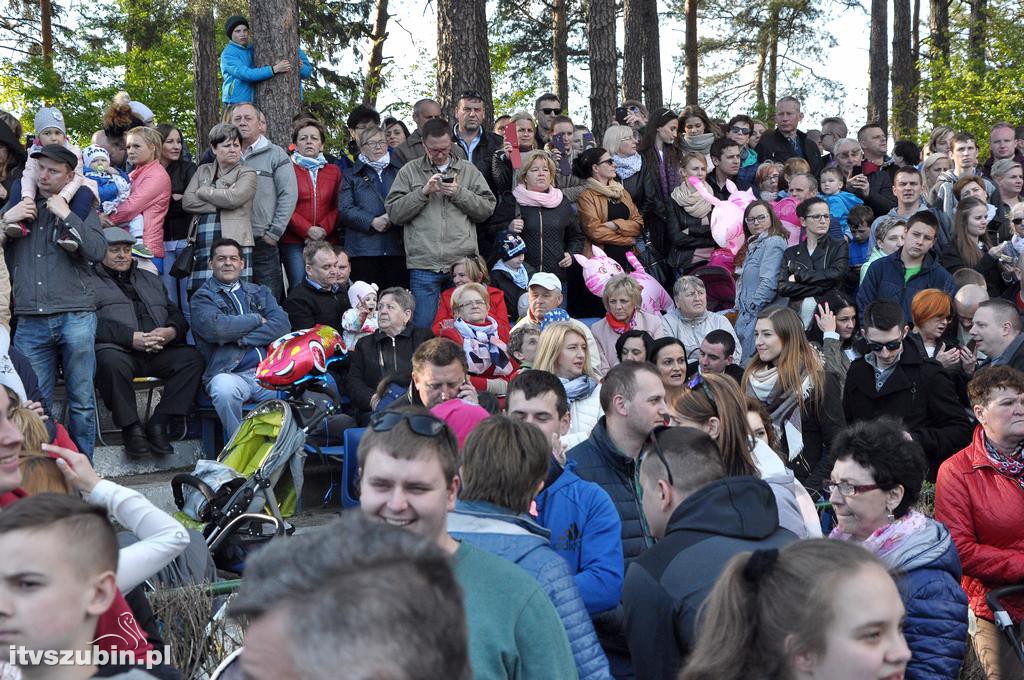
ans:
(349, 455)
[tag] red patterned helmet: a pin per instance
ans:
(299, 356)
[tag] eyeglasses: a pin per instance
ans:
(471, 94)
(555, 112)
(652, 441)
(609, 161)
(424, 425)
(739, 131)
(1018, 221)
(892, 345)
(847, 490)
(473, 303)
(376, 144)
(818, 218)
(698, 381)
(756, 219)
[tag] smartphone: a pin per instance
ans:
(565, 162)
(448, 180)
(620, 114)
(857, 170)
(512, 137)
(588, 141)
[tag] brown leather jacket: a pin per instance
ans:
(593, 213)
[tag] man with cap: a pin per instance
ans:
(140, 332)
(53, 303)
(545, 294)
(511, 274)
(236, 64)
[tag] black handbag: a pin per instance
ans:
(186, 260)
(653, 261)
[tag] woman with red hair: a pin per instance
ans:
(932, 311)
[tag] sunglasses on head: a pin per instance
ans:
(421, 424)
(892, 345)
(548, 112)
(652, 441)
(698, 381)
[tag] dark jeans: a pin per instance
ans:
(387, 271)
(179, 366)
(266, 267)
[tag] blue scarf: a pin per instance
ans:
(627, 166)
(311, 164)
(579, 388)
(519, 276)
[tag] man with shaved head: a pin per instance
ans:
(967, 300)
(997, 330)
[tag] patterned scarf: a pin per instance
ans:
(1011, 466)
(311, 164)
(784, 409)
(483, 347)
(890, 537)
(579, 388)
(379, 164)
(627, 166)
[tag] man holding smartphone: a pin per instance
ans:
(439, 198)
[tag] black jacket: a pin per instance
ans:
(378, 355)
(547, 232)
(879, 196)
(598, 460)
(820, 423)
(815, 274)
(775, 147)
(306, 306)
(483, 155)
(503, 281)
(687, 234)
(665, 587)
(16, 156)
(117, 317)
(177, 222)
(987, 266)
(918, 392)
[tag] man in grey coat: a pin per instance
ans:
(276, 195)
(53, 303)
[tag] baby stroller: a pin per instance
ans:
(242, 498)
(1002, 617)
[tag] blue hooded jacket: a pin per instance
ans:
(927, 568)
(886, 280)
(587, 532)
(240, 76)
(519, 539)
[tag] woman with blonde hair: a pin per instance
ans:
(689, 224)
(470, 269)
(788, 376)
(483, 342)
(622, 298)
(635, 175)
(564, 352)
(150, 196)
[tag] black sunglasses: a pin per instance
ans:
(698, 381)
(652, 441)
(609, 161)
(552, 111)
(892, 345)
(739, 131)
(1018, 221)
(427, 426)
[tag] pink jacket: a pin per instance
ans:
(149, 197)
(606, 337)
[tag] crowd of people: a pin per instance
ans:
(661, 402)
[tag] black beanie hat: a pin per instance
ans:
(234, 22)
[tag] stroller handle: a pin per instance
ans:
(993, 597)
(185, 479)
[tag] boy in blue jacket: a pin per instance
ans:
(236, 67)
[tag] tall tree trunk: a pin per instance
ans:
(601, 53)
(773, 62)
(560, 51)
(978, 28)
(915, 32)
(939, 28)
(634, 25)
(374, 69)
(878, 65)
(46, 31)
(463, 60)
(762, 57)
(690, 51)
(275, 27)
(904, 73)
(205, 71)
(652, 57)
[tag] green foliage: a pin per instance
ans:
(970, 96)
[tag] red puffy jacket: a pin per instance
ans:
(315, 208)
(983, 511)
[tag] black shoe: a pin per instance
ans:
(135, 444)
(156, 433)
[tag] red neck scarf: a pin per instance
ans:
(620, 327)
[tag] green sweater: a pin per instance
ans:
(514, 630)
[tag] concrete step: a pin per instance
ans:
(111, 460)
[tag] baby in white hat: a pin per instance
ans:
(361, 319)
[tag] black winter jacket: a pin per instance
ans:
(378, 355)
(775, 147)
(598, 460)
(921, 394)
(987, 266)
(483, 155)
(306, 306)
(815, 274)
(177, 222)
(665, 587)
(116, 316)
(686, 234)
(549, 233)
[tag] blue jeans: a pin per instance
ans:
(177, 289)
(425, 286)
(294, 265)
(73, 336)
(229, 391)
